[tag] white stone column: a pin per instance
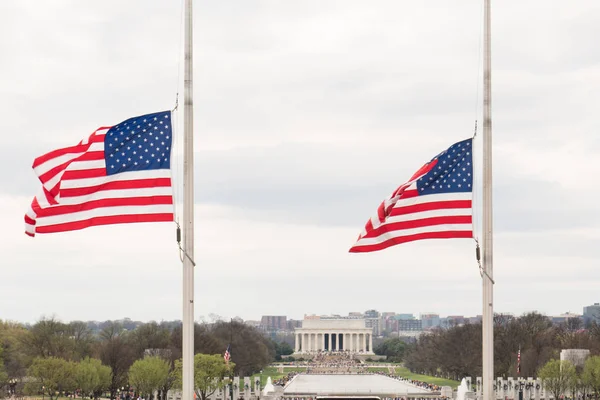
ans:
(303, 346)
(306, 343)
(297, 344)
(364, 342)
(334, 335)
(371, 343)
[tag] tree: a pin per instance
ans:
(11, 340)
(591, 374)
(393, 349)
(149, 336)
(3, 374)
(148, 375)
(251, 350)
(82, 338)
(53, 375)
(558, 376)
(209, 373)
(282, 349)
(92, 377)
(116, 353)
(49, 337)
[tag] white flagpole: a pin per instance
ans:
(487, 225)
(188, 212)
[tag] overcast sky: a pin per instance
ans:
(307, 114)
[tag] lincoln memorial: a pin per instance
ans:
(334, 335)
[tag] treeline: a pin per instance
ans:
(456, 352)
(76, 347)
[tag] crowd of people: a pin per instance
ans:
(337, 362)
(284, 379)
(421, 384)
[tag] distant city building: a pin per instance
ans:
(562, 318)
(430, 320)
(576, 356)
(293, 324)
(453, 320)
(409, 325)
(328, 334)
(355, 314)
(273, 322)
(387, 314)
(475, 320)
(592, 313)
(404, 316)
(312, 316)
(373, 321)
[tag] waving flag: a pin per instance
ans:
(436, 203)
(227, 355)
(119, 174)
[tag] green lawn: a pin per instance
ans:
(294, 369)
(274, 374)
(405, 373)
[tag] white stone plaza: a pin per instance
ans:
(332, 385)
(334, 335)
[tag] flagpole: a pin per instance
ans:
(188, 211)
(487, 225)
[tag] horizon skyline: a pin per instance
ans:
(202, 318)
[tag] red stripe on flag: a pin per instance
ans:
(106, 220)
(434, 205)
(118, 185)
(117, 202)
(51, 173)
(419, 223)
(29, 221)
(91, 156)
(57, 153)
(409, 194)
(84, 173)
(411, 238)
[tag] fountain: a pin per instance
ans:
(461, 391)
(269, 388)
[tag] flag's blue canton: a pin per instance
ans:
(452, 173)
(139, 143)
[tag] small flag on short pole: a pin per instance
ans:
(227, 355)
(435, 203)
(519, 361)
(119, 174)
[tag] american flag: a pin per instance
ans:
(436, 203)
(227, 355)
(519, 361)
(119, 174)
